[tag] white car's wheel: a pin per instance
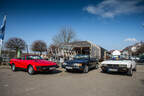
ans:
(130, 72)
(135, 69)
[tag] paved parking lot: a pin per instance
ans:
(61, 83)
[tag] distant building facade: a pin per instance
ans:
(130, 50)
(69, 50)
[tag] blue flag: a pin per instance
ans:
(2, 29)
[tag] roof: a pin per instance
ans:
(77, 44)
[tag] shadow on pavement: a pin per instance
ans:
(43, 72)
(115, 73)
(78, 71)
(74, 72)
(49, 72)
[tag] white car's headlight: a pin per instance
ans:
(77, 64)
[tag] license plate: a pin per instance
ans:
(68, 67)
(44, 68)
(113, 70)
(52, 68)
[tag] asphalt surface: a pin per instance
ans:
(61, 83)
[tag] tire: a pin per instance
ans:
(135, 69)
(86, 69)
(30, 70)
(68, 70)
(130, 72)
(13, 67)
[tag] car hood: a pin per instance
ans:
(44, 62)
(116, 62)
(77, 61)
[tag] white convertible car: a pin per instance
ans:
(121, 65)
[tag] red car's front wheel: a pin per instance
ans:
(13, 67)
(30, 70)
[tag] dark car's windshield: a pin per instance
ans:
(119, 58)
(81, 57)
(33, 57)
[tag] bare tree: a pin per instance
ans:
(53, 49)
(15, 44)
(66, 35)
(39, 46)
(140, 50)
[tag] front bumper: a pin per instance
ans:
(117, 69)
(71, 67)
(46, 68)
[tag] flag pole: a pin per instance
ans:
(2, 33)
(1, 43)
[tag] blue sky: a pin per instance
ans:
(112, 24)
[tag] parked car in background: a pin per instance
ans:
(32, 63)
(141, 60)
(81, 62)
(135, 58)
(120, 65)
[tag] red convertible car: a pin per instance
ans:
(32, 63)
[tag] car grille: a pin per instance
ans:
(113, 66)
(46, 67)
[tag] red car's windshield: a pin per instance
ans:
(33, 57)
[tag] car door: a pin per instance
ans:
(27, 61)
(23, 62)
(17, 62)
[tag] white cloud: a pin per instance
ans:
(112, 8)
(130, 40)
